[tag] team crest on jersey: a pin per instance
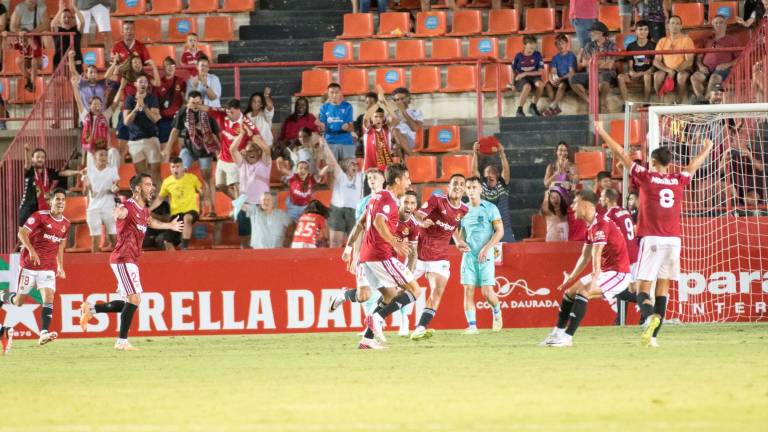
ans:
(31, 220)
(406, 231)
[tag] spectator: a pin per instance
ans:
(170, 94)
(207, 84)
(30, 16)
(603, 182)
(378, 123)
(365, 5)
(495, 187)
(270, 224)
(633, 204)
(227, 172)
(526, 69)
(654, 12)
(562, 172)
(100, 185)
(411, 120)
(39, 181)
(311, 228)
(640, 66)
(183, 191)
(713, 67)
(161, 239)
(715, 95)
(89, 84)
(743, 164)
(128, 46)
(134, 67)
(99, 11)
(254, 164)
(607, 74)
(346, 183)
(554, 207)
(305, 149)
(758, 82)
(141, 112)
(626, 11)
(260, 111)
(300, 119)
(201, 141)
(95, 125)
(564, 64)
(335, 121)
(583, 15)
(67, 20)
(192, 52)
(370, 100)
(757, 14)
(301, 187)
(673, 69)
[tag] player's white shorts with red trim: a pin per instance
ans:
(611, 283)
(30, 279)
(633, 271)
(442, 267)
(385, 274)
(659, 258)
(128, 280)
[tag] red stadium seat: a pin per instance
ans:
(9, 62)
(354, 81)
(219, 28)
(180, 27)
(466, 22)
(394, 24)
(539, 20)
(503, 21)
(430, 24)
(589, 163)
(423, 169)
(74, 209)
(548, 47)
(609, 15)
(116, 28)
(357, 26)
(147, 30)
(538, 227)
(425, 79)
(410, 49)
(222, 205)
(446, 49)
(390, 78)
(566, 26)
(484, 47)
(82, 241)
(334, 51)
(514, 45)
(94, 56)
(455, 164)
(324, 196)
(125, 172)
(635, 129)
(489, 77)
(228, 237)
(443, 138)
(275, 175)
(202, 236)
(201, 6)
(729, 9)
(691, 13)
(206, 49)
(314, 82)
(428, 191)
(158, 53)
(373, 50)
(124, 8)
(459, 79)
(418, 143)
(238, 6)
(165, 7)
(22, 96)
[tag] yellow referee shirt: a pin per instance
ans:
(183, 192)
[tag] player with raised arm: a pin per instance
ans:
(43, 238)
(132, 219)
(661, 197)
(440, 217)
(606, 248)
(481, 228)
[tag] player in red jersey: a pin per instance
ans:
(609, 202)
(43, 238)
(606, 248)
(661, 197)
(440, 217)
(132, 218)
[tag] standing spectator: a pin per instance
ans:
(30, 16)
(495, 186)
(626, 11)
(411, 120)
(170, 94)
(95, 125)
(141, 113)
(100, 184)
(89, 84)
(39, 181)
(129, 71)
(673, 69)
(346, 182)
(260, 111)
(526, 69)
(227, 172)
(207, 84)
(583, 15)
(755, 16)
(254, 165)
(554, 207)
(604, 181)
(67, 21)
(192, 52)
(99, 11)
(370, 100)
(561, 172)
(654, 12)
(335, 120)
(183, 191)
(128, 46)
(564, 64)
(599, 43)
(305, 149)
(300, 119)
(378, 123)
(301, 187)
(640, 66)
(713, 67)
(311, 228)
(270, 224)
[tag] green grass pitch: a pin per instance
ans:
(703, 378)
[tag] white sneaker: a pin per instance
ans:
(125, 346)
(403, 332)
(373, 322)
(551, 337)
(498, 323)
(46, 337)
(562, 341)
(337, 301)
(370, 344)
(653, 343)
(422, 333)
(471, 331)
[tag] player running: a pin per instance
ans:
(661, 197)
(606, 248)
(439, 217)
(43, 237)
(623, 219)
(132, 220)
(482, 229)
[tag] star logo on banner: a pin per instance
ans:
(24, 314)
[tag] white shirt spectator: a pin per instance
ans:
(346, 192)
(263, 121)
(101, 199)
(406, 130)
(214, 84)
(268, 229)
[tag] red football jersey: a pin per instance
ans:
(661, 197)
(130, 234)
(308, 228)
(300, 191)
(623, 220)
(604, 231)
(408, 230)
(124, 52)
(189, 59)
(374, 247)
(433, 241)
(46, 234)
(229, 133)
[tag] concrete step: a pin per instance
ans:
(296, 16)
(258, 51)
(300, 5)
(298, 30)
(284, 82)
(543, 123)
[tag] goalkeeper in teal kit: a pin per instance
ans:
(481, 228)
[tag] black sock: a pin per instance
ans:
(577, 313)
(646, 309)
(565, 311)
(377, 309)
(660, 307)
(627, 296)
(46, 314)
(426, 317)
(7, 297)
(397, 303)
(126, 317)
(351, 295)
(111, 307)
(185, 243)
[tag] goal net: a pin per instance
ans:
(724, 262)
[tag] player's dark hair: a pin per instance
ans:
(413, 194)
(641, 23)
(317, 207)
(611, 195)
(136, 180)
(587, 195)
(603, 174)
(662, 155)
(380, 111)
(58, 190)
(474, 179)
(194, 94)
(175, 160)
(233, 104)
(400, 90)
(394, 172)
(529, 39)
(169, 61)
(203, 58)
(456, 175)
(334, 85)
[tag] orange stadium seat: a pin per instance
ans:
(180, 27)
(619, 40)
(125, 8)
(442, 5)
(206, 49)
(158, 53)
(275, 176)
(484, 47)
(609, 15)
(410, 49)
(219, 28)
(201, 6)
(125, 172)
(52, 6)
(443, 138)
(222, 204)
(390, 78)
(430, 24)
(691, 13)
(314, 82)
(334, 51)
(539, 20)
(548, 48)
(9, 62)
(466, 22)
(236, 6)
(729, 9)
(148, 30)
(357, 26)
(514, 45)
(94, 56)
(228, 237)
(165, 170)
(354, 81)
(589, 163)
(202, 236)
(418, 143)
(699, 36)
(324, 196)
(22, 96)
(459, 79)
(74, 209)
(423, 169)
(503, 21)
(82, 237)
(446, 48)
(635, 128)
(538, 227)
(394, 24)
(428, 191)
(566, 26)
(282, 197)
(116, 28)
(425, 79)
(479, 4)
(5, 89)
(373, 50)
(455, 164)
(504, 71)
(165, 7)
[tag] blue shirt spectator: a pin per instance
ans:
(563, 62)
(336, 121)
(527, 63)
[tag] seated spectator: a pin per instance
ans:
(141, 112)
(554, 207)
(411, 120)
(564, 65)
(713, 68)
(227, 172)
(270, 224)
(756, 16)
(311, 228)
(260, 111)
(561, 172)
(100, 185)
(95, 125)
(336, 122)
(654, 13)
(170, 94)
(192, 52)
(207, 84)
(161, 239)
(378, 123)
(598, 43)
(673, 69)
(254, 164)
(640, 66)
(370, 100)
(495, 186)
(183, 191)
(67, 20)
(346, 182)
(128, 46)
(526, 69)
(301, 187)
(300, 119)
(29, 16)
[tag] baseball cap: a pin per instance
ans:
(599, 26)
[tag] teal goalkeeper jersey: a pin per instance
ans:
(361, 205)
(478, 224)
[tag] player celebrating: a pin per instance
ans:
(439, 217)
(623, 219)
(481, 228)
(43, 238)
(606, 248)
(132, 220)
(661, 196)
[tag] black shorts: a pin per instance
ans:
(195, 216)
(341, 219)
(582, 78)
(519, 84)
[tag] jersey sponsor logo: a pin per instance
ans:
(665, 181)
(53, 238)
(445, 226)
